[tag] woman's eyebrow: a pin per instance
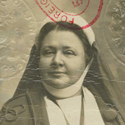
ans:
(50, 47)
(69, 47)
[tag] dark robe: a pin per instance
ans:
(29, 109)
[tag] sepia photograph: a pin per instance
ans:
(62, 62)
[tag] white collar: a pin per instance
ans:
(92, 115)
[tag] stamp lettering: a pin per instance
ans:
(52, 9)
(43, 2)
(64, 18)
(77, 2)
(48, 7)
(56, 15)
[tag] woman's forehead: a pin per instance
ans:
(62, 38)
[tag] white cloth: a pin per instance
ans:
(71, 107)
(92, 115)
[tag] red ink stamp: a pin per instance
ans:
(77, 2)
(54, 12)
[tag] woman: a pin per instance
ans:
(62, 83)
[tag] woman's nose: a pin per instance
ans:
(57, 60)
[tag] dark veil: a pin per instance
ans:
(99, 79)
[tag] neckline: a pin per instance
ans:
(82, 106)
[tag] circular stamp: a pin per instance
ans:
(114, 27)
(54, 12)
(17, 32)
(75, 4)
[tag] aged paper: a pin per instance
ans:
(21, 20)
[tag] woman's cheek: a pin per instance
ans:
(44, 62)
(44, 67)
(75, 67)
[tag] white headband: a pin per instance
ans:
(76, 20)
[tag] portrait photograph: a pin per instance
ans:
(62, 62)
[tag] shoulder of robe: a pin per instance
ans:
(16, 111)
(108, 111)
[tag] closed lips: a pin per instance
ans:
(57, 72)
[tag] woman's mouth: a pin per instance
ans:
(57, 73)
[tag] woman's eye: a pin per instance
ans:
(69, 52)
(48, 52)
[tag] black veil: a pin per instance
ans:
(99, 79)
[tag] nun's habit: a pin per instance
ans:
(33, 102)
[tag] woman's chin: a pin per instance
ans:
(57, 83)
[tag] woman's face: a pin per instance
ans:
(62, 59)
